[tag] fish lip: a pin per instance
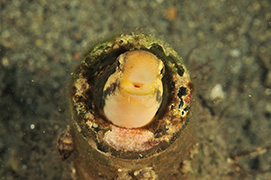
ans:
(148, 90)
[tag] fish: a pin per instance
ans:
(133, 93)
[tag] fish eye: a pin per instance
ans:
(118, 63)
(118, 66)
(162, 71)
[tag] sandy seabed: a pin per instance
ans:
(225, 45)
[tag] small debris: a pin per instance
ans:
(123, 175)
(171, 13)
(76, 56)
(217, 92)
(194, 150)
(145, 174)
(32, 126)
(235, 53)
(186, 167)
(65, 144)
(78, 36)
(5, 62)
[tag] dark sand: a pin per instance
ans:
(226, 45)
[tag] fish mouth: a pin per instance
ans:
(137, 88)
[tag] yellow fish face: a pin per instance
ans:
(138, 92)
(141, 72)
